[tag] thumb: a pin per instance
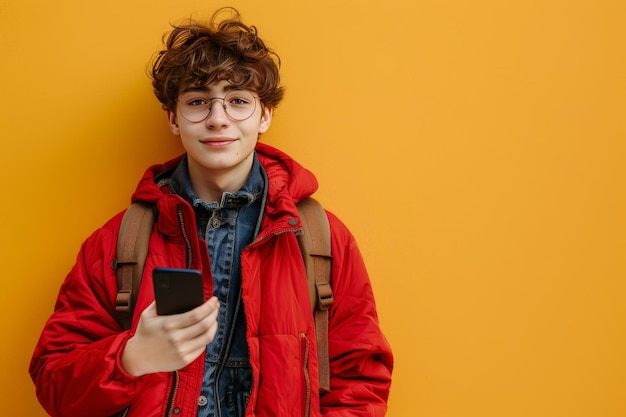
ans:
(150, 311)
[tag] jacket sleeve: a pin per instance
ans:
(361, 360)
(76, 363)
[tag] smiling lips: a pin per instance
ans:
(217, 141)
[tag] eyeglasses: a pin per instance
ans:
(195, 106)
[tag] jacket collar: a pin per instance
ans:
(288, 183)
(287, 178)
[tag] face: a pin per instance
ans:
(218, 145)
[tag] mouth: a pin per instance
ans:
(218, 141)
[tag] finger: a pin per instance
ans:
(212, 304)
(203, 331)
(192, 317)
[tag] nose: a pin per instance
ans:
(217, 113)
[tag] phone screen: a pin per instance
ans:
(177, 290)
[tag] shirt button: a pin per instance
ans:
(176, 411)
(292, 221)
(216, 223)
(202, 401)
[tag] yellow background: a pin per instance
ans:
(475, 148)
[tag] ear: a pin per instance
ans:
(172, 122)
(266, 119)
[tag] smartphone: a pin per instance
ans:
(177, 290)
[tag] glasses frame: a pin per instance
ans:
(224, 105)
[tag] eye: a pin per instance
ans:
(239, 100)
(194, 99)
(199, 101)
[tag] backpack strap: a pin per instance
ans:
(132, 249)
(315, 247)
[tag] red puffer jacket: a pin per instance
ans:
(76, 364)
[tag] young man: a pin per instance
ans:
(227, 207)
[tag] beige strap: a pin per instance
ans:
(316, 252)
(132, 249)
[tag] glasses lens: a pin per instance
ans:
(196, 106)
(240, 104)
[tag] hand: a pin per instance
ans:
(169, 343)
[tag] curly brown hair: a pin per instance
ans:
(197, 54)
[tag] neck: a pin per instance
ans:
(209, 185)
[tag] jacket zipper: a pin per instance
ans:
(170, 401)
(183, 231)
(223, 358)
(188, 258)
(307, 379)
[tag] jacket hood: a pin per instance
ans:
(286, 177)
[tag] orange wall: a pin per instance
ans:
(475, 148)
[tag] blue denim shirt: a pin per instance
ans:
(228, 227)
